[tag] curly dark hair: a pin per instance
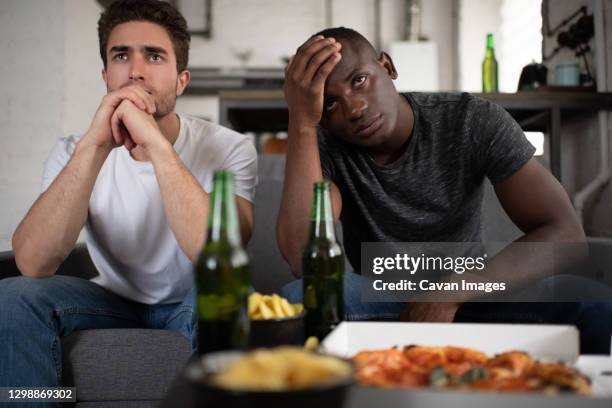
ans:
(158, 12)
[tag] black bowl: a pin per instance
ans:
(329, 394)
(277, 332)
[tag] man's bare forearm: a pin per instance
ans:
(305, 77)
(553, 246)
(521, 263)
(185, 201)
(302, 169)
(516, 265)
(48, 232)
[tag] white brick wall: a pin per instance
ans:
(275, 28)
(84, 86)
(31, 110)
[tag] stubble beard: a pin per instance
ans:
(165, 104)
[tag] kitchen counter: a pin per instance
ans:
(211, 81)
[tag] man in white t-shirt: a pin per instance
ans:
(139, 181)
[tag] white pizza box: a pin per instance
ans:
(546, 342)
(599, 370)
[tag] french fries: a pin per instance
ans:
(271, 307)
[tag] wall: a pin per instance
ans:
(476, 19)
(520, 40)
(273, 29)
(84, 86)
(439, 24)
(31, 96)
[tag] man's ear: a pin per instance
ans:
(104, 76)
(386, 62)
(182, 81)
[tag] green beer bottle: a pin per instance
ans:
(322, 268)
(489, 68)
(222, 275)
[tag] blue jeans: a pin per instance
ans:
(593, 319)
(36, 313)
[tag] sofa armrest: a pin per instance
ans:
(77, 264)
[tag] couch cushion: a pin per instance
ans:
(78, 263)
(123, 364)
(269, 270)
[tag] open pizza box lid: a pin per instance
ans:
(544, 342)
(549, 342)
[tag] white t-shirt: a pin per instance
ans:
(128, 237)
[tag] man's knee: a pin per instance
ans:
(19, 294)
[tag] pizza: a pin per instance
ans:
(465, 368)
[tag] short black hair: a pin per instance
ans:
(357, 41)
(153, 11)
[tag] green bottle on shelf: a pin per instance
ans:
(489, 68)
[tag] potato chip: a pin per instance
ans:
(281, 368)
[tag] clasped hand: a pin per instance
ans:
(125, 118)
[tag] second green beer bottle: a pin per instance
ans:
(322, 268)
(489, 68)
(222, 275)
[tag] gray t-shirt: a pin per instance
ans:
(433, 192)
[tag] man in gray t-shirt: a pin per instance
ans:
(433, 191)
(405, 167)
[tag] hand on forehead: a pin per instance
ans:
(354, 57)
